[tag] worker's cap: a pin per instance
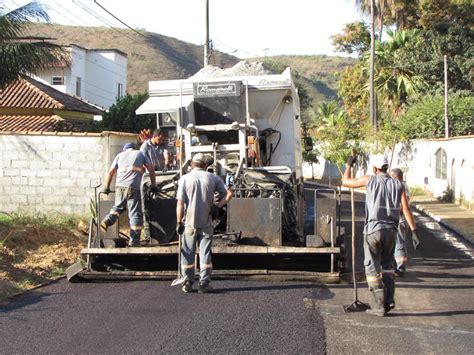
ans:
(379, 161)
(128, 146)
(199, 158)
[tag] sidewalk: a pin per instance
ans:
(451, 216)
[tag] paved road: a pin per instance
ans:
(435, 303)
(434, 313)
(152, 317)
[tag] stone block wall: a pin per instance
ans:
(45, 173)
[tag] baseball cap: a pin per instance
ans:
(128, 146)
(199, 158)
(379, 161)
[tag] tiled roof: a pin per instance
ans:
(27, 92)
(29, 123)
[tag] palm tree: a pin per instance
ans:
(22, 54)
(393, 81)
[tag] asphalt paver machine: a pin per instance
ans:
(250, 125)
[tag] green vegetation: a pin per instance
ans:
(43, 220)
(122, 117)
(408, 76)
(18, 52)
(425, 118)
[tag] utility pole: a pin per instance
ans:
(446, 121)
(372, 103)
(206, 45)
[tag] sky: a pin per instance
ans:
(244, 28)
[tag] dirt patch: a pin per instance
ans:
(32, 254)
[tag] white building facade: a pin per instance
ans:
(98, 76)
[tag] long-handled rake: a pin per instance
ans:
(181, 278)
(356, 305)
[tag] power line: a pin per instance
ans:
(115, 17)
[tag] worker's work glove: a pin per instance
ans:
(214, 212)
(180, 228)
(106, 191)
(416, 241)
(154, 190)
(351, 160)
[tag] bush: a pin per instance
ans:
(425, 118)
(121, 116)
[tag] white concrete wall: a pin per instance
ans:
(43, 173)
(417, 161)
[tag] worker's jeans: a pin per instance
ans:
(378, 256)
(203, 238)
(401, 255)
(128, 198)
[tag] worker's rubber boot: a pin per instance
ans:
(104, 225)
(378, 306)
(389, 283)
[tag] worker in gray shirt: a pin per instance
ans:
(401, 254)
(385, 198)
(196, 196)
(129, 165)
(155, 150)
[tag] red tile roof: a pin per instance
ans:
(29, 123)
(27, 92)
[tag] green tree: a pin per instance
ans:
(337, 134)
(121, 116)
(446, 29)
(20, 54)
(353, 92)
(395, 80)
(425, 117)
(355, 38)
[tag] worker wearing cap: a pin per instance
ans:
(401, 255)
(195, 199)
(129, 165)
(385, 198)
(155, 150)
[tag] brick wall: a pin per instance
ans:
(46, 173)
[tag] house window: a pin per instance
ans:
(119, 90)
(441, 164)
(57, 80)
(78, 86)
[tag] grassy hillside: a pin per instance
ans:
(152, 56)
(320, 73)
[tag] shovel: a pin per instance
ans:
(356, 305)
(180, 279)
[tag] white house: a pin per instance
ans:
(98, 76)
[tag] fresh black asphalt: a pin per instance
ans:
(152, 317)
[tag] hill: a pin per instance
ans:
(152, 56)
(320, 73)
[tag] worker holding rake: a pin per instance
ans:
(385, 199)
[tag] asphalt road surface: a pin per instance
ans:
(434, 313)
(152, 317)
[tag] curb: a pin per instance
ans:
(446, 225)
